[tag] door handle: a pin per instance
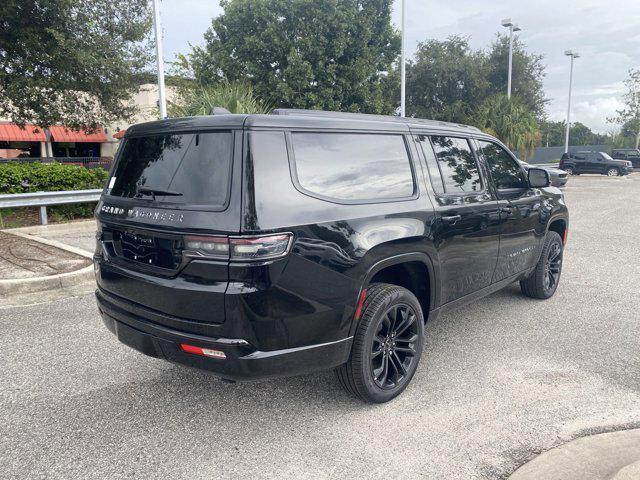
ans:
(451, 219)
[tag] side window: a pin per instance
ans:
(580, 158)
(505, 171)
(458, 165)
(353, 166)
(432, 163)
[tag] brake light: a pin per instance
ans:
(242, 249)
(210, 247)
(206, 352)
(260, 248)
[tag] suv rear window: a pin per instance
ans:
(353, 166)
(195, 167)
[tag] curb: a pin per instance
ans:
(605, 456)
(49, 282)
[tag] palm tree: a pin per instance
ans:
(237, 97)
(511, 121)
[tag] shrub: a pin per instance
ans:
(18, 177)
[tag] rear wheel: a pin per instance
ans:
(613, 172)
(387, 345)
(569, 170)
(544, 280)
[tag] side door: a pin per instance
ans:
(598, 163)
(466, 227)
(522, 211)
(580, 162)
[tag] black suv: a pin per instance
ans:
(594, 162)
(630, 154)
(264, 245)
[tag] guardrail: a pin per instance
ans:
(44, 199)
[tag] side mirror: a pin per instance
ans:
(538, 178)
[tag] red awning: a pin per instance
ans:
(62, 134)
(10, 132)
(120, 134)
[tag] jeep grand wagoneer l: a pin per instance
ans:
(264, 245)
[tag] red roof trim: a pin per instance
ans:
(120, 134)
(10, 132)
(60, 133)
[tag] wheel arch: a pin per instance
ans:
(560, 225)
(406, 270)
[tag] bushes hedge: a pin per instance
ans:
(18, 177)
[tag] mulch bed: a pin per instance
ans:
(24, 258)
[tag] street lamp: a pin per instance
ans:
(403, 73)
(513, 27)
(157, 27)
(573, 55)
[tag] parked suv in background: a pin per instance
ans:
(630, 154)
(594, 162)
(264, 245)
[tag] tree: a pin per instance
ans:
(552, 133)
(236, 97)
(71, 61)
(511, 121)
(330, 55)
(527, 74)
(629, 117)
(445, 80)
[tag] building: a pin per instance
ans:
(60, 143)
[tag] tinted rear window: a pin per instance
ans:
(457, 163)
(195, 165)
(353, 166)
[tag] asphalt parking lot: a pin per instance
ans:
(500, 380)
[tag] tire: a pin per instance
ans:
(378, 342)
(613, 172)
(544, 280)
(569, 170)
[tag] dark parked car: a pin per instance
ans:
(594, 162)
(558, 177)
(264, 245)
(630, 154)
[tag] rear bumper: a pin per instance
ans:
(243, 361)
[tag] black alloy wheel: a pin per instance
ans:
(544, 280)
(393, 348)
(387, 344)
(553, 267)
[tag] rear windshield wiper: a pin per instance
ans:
(156, 191)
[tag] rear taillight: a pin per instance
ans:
(239, 249)
(210, 247)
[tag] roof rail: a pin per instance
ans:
(367, 116)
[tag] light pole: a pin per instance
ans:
(403, 73)
(157, 27)
(573, 55)
(513, 27)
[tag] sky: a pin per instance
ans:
(606, 33)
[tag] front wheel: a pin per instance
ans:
(613, 172)
(543, 282)
(387, 345)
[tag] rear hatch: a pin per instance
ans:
(167, 189)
